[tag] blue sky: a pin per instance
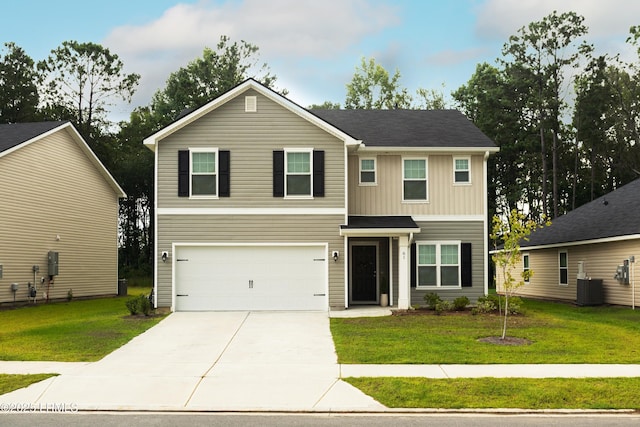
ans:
(312, 46)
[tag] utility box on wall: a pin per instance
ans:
(52, 261)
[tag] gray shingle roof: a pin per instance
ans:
(408, 128)
(16, 133)
(615, 214)
(380, 222)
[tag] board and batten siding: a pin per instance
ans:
(466, 232)
(50, 188)
(444, 197)
(600, 260)
(249, 229)
(251, 139)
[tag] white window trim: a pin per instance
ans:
(468, 159)
(438, 244)
(526, 255)
(217, 173)
(564, 251)
(375, 171)
(426, 174)
(286, 173)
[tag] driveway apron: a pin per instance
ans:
(281, 361)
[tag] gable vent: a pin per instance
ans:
(250, 104)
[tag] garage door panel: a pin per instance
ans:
(251, 278)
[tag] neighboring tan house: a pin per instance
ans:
(264, 205)
(597, 241)
(58, 216)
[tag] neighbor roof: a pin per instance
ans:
(611, 216)
(14, 134)
(408, 128)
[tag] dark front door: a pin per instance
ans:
(364, 285)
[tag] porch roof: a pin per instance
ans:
(379, 226)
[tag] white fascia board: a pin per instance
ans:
(378, 232)
(152, 140)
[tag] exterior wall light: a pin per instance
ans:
(335, 255)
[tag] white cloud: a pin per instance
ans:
(284, 30)
(502, 18)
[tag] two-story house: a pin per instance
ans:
(264, 205)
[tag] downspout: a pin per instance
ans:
(486, 225)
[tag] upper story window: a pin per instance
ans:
(563, 266)
(461, 170)
(414, 179)
(438, 264)
(298, 177)
(204, 172)
(368, 171)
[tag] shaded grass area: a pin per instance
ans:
(76, 331)
(523, 393)
(559, 333)
(10, 382)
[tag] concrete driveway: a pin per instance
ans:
(221, 361)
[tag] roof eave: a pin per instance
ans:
(378, 232)
(439, 150)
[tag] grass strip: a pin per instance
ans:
(11, 382)
(484, 393)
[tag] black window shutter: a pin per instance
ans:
(183, 173)
(224, 166)
(318, 173)
(465, 250)
(414, 272)
(278, 174)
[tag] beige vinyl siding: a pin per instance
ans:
(50, 188)
(252, 229)
(601, 260)
(465, 232)
(444, 198)
(251, 139)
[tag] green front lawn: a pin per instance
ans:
(559, 333)
(76, 331)
(10, 382)
(525, 393)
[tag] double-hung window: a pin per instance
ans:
(526, 270)
(461, 170)
(298, 176)
(438, 264)
(414, 180)
(204, 172)
(368, 171)
(563, 265)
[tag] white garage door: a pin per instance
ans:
(250, 278)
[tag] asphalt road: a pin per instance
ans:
(319, 420)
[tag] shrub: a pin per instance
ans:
(139, 304)
(487, 304)
(460, 303)
(133, 306)
(432, 300)
(443, 306)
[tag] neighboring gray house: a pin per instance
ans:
(57, 198)
(591, 241)
(264, 205)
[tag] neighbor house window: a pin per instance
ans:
(563, 264)
(298, 173)
(204, 172)
(438, 264)
(525, 268)
(414, 179)
(461, 170)
(367, 171)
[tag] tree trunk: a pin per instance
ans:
(554, 172)
(544, 171)
(506, 313)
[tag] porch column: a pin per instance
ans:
(404, 285)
